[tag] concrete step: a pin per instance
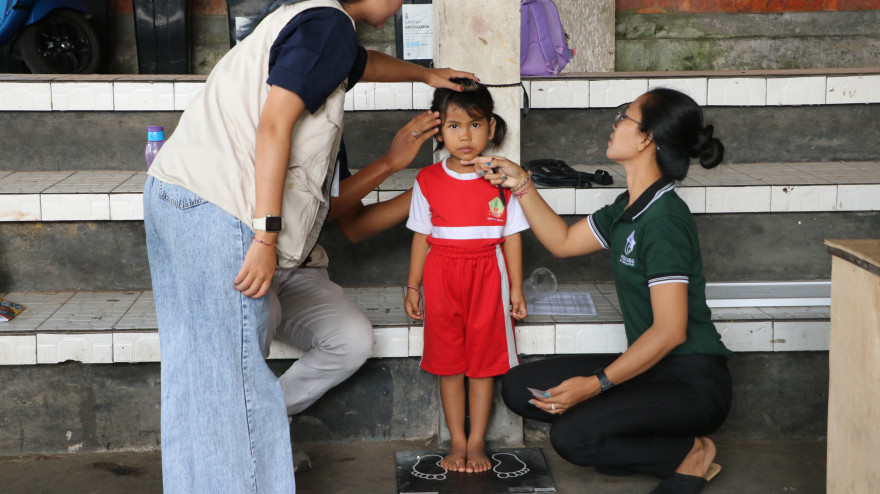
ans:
(120, 326)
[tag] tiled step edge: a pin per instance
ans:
(114, 195)
(117, 327)
(743, 88)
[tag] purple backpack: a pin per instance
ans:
(543, 50)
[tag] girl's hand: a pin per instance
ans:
(518, 304)
(411, 304)
(568, 394)
(498, 170)
(257, 270)
(438, 78)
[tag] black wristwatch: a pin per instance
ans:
(267, 223)
(603, 379)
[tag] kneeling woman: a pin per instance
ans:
(650, 408)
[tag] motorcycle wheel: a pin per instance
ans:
(63, 42)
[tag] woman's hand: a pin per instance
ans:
(568, 394)
(411, 304)
(518, 304)
(498, 170)
(257, 270)
(409, 139)
(439, 78)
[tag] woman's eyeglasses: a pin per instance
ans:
(621, 115)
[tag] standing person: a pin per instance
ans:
(467, 245)
(257, 144)
(650, 408)
(311, 312)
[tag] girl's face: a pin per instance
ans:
(464, 136)
(628, 140)
(373, 12)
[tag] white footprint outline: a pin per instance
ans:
(509, 475)
(429, 476)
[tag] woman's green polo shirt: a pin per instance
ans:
(653, 242)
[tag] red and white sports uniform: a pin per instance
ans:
(468, 328)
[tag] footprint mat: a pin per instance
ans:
(514, 470)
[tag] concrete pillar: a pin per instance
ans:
(483, 37)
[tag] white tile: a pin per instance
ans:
(422, 96)
(134, 185)
(30, 182)
(184, 92)
(39, 306)
(91, 311)
(143, 96)
(391, 342)
(87, 348)
(141, 315)
(560, 94)
(393, 96)
(858, 197)
(737, 91)
(737, 199)
(796, 91)
(281, 350)
(136, 347)
(694, 197)
(364, 96)
(25, 96)
(588, 201)
(611, 93)
(791, 198)
(536, 339)
(752, 336)
(801, 336)
(348, 104)
(416, 340)
(126, 207)
(561, 200)
(853, 89)
(75, 207)
(590, 338)
(384, 195)
(695, 87)
(20, 207)
(85, 96)
(18, 350)
(371, 198)
(90, 181)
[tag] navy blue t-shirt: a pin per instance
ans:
(314, 54)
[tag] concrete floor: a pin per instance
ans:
(369, 467)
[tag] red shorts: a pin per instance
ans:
(468, 327)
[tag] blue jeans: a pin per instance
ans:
(224, 425)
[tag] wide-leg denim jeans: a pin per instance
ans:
(224, 424)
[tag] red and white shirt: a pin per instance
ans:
(462, 209)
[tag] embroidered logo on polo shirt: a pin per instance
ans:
(496, 210)
(630, 246)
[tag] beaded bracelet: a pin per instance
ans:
(265, 243)
(523, 188)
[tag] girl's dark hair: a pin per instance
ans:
(256, 17)
(476, 100)
(676, 123)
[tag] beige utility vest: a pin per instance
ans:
(211, 152)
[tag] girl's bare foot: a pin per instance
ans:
(456, 460)
(477, 461)
(698, 461)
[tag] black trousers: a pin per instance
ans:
(647, 424)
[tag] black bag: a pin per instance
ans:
(557, 173)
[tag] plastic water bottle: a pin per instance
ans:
(155, 139)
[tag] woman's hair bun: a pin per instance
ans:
(708, 149)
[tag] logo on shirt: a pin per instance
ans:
(627, 250)
(496, 209)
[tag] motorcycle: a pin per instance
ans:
(51, 36)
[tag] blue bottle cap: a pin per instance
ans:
(155, 133)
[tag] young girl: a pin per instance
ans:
(461, 224)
